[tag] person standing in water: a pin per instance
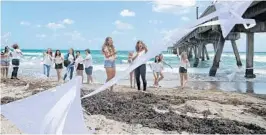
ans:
(132, 79)
(141, 49)
(5, 62)
(79, 64)
(109, 52)
(16, 55)
(58, 60)
(184, 64)
(69, 63)
(47, 62)
(88, 66)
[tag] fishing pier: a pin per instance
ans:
(195, 42)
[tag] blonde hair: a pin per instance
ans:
(183, 55)
(110, 47)
(137, 45)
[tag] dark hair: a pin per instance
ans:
(77, 53)
(88, 50)
(155, 60)
(15, 46)
(6, 48)
(57, 54)
(51, 53)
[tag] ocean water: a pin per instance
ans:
(228, 71)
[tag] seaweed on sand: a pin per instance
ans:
(137, 108)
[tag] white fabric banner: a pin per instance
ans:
(55, 111)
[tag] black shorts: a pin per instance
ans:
(59, 66)
(182, 70)
(15, 62)
(80, 67)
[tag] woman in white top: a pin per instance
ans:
(69, 63)
(47, 61)
(16, 55)
(141, 49)
(109, 52)
(156, 68)
(58, 60)
(184, 64)
(88, 66)
(79, 64)
(5, 62)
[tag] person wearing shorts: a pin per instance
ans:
(184, 64)
(79, 64)
(88, 66)
(109, 53)
(58, 60)
(5, 62)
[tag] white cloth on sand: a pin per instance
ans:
(55, 111)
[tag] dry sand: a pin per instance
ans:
(157, 111)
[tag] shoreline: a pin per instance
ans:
(195, 104)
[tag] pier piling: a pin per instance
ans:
(206, 51)
(196, 51)
(217, 57)
(238, 60)
(249, 56)
(203, 53)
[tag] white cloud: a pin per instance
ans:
(38, 26)
(173, 6)
(123, 26)
(155, 22)
(184, 18)
(67, 21)
(115, 32)
(126, 12)
(75, 35)
(41, 36)
(5, 38)
(25, 23)
(55, 26)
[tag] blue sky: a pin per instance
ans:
(61, 25)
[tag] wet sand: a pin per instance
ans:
(158, 111)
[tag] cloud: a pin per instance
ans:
(126, 12)
(75, 36)
(41, 36)
(115, 32)
(67, 21)
(25, 23)
(172, 6)
(123, 26)
(55, 26)
(155, 22)
(134, 38)
(184, 18)
(38, 26)
(5, 37)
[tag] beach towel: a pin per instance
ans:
(55, 111)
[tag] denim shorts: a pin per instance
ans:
(109, 63)
(88, 70)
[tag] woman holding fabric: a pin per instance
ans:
(184, 64)
(79, 64)
(5, 61)
(109, 52)
(58, 60)
(141, 49)
(69, 63)
(16, 55)
(47, 61)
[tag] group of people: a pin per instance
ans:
(6, 57)
(70, 61)
(76, 62)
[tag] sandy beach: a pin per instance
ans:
(157, 111)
